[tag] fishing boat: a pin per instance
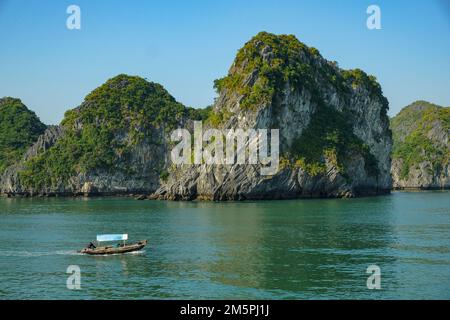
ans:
(122, 247)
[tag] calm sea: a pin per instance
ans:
(302, 249)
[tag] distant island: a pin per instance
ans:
(421, 153)
(336, 139)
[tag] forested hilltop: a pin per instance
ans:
(421, 153)
(19, 129)
(113, 143)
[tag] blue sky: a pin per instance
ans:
(185, 45)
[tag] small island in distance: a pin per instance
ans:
(336, 139)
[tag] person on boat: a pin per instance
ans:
(91, 246)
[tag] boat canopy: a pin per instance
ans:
(111, 237)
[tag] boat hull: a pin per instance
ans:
(115, 250)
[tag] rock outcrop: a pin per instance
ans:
(10, 183)
(421, 154)
(333, 132)
(113, 143)
(19, 129)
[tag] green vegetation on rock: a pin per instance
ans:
(261, 71)
(99, 134)
(199, 114)
(117, 139)
(330, 136)
(268, 61)
(273, 60)
(19, 129)
(414, 140)
(358, 78)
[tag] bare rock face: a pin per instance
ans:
(9, 180)
(334, 132)
(44, 141)
(421, 155)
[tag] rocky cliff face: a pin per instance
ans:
(114, 143)
(421, 154)
(334, 132)
(10, 183)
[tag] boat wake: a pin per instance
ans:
(37, 253)
(117, 254)
(136, 252)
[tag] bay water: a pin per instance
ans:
(295, 249)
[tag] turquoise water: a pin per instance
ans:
(302, 249)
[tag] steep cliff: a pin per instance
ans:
(333, 128)
(19, 129)
(421, 153)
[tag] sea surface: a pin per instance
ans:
(299, 249)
